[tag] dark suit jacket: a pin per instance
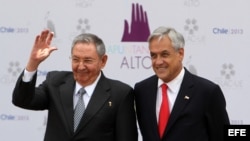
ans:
(101, 121)
(199, 118)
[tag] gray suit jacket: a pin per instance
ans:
(101, 121)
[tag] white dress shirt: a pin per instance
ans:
(172, 92)
(89, 91)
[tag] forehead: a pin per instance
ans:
(84, 49)
(83, 46)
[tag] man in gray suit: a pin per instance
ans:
(109, 113)
(196, 106)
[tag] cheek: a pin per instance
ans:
(153, 63)
(74, 68)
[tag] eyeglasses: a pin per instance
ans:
(86, 61)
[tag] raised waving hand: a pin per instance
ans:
(41, 49)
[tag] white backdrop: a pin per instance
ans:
(217, 47)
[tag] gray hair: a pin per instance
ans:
(176, 37)
(90, 38)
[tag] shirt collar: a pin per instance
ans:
(175, 84)
(90, 88)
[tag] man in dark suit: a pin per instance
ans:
(197, 106)
(109, 113)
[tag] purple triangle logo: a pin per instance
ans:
(138, 31)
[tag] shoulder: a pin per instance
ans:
(113, 85)
(59, 75)
(116, 88)
(118, 83)
(200, 81)
(147, 82)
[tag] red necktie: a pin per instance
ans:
(164, 111)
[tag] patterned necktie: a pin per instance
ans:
(164, 111)
(79, 109)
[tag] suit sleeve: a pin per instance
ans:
(217, 116)
(27, 96)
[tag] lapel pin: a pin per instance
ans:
(110, 103)
(186, 97)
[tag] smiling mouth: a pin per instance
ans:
(161, 68)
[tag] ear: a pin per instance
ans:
(181, 53)
(104, 60)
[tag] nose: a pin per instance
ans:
(158, 60)
(81, 65)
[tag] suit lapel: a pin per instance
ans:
(147, 102)
(66, 94)
(183, 98)
(152, 95)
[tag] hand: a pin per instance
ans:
(41, 50)
(139, 30)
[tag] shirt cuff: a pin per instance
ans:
(27, 76)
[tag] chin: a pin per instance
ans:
(162, 76)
